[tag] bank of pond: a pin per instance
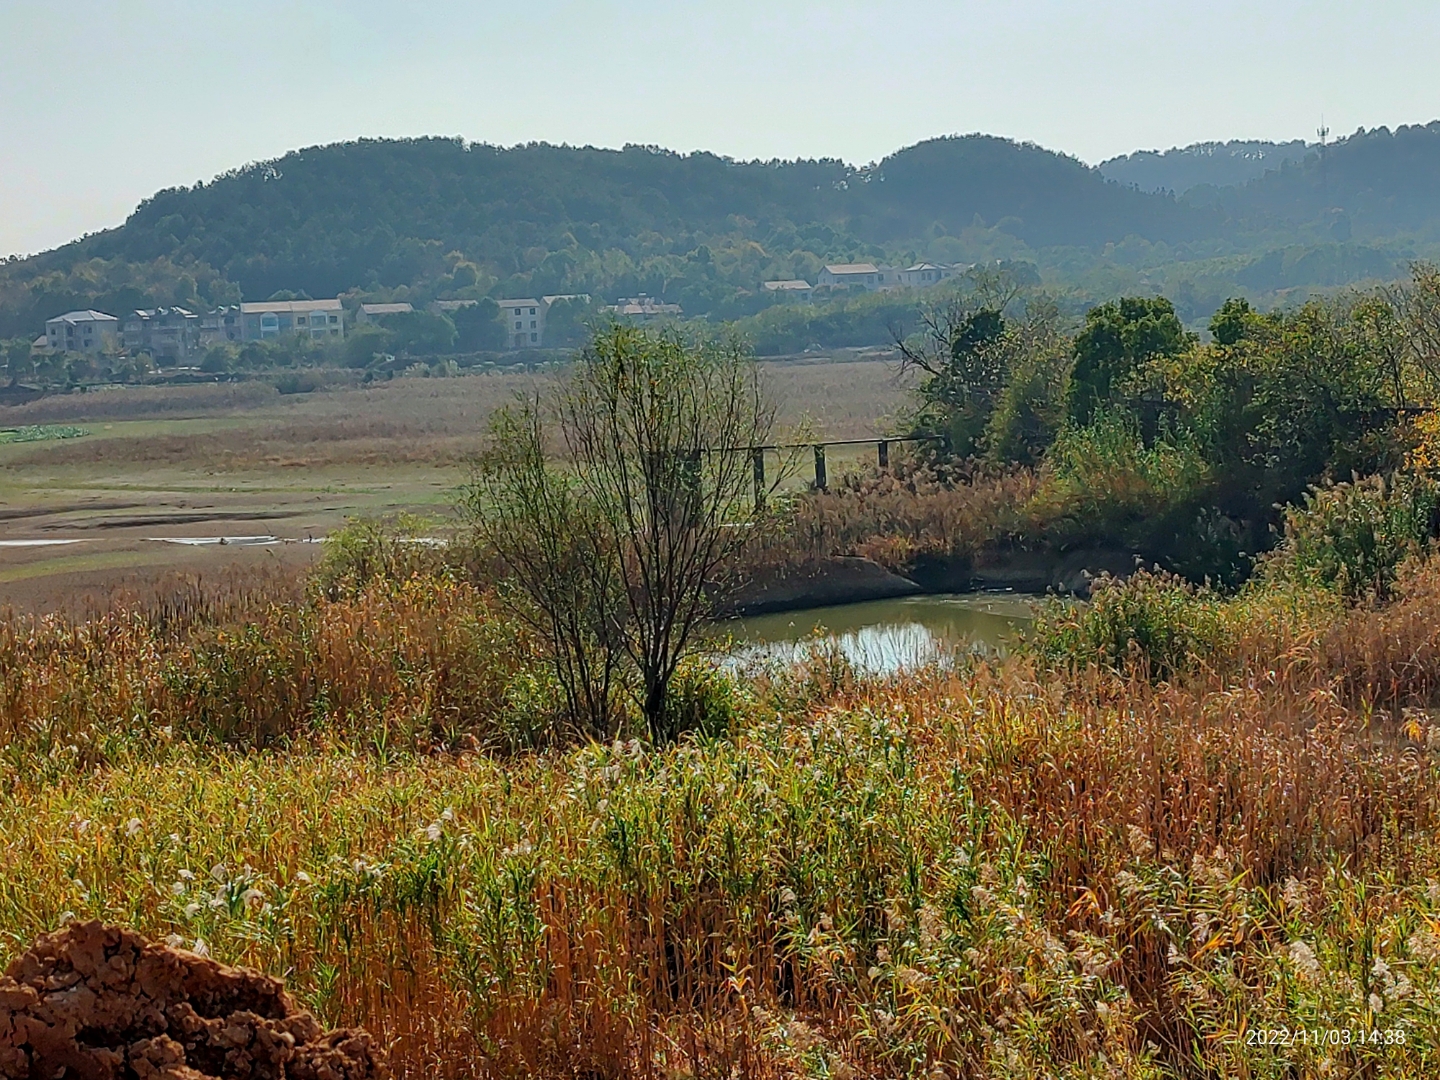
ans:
(884, 636)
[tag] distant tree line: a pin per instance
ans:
(426, 219)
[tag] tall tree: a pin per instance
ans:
(638, 521)
(1117, 340)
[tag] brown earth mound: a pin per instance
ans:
(95, 1002)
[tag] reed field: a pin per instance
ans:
(1031, 867)
(243, 459)
(1185, 830)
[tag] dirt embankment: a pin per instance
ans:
(94, 1002)
(850, 579)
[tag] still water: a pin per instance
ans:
(883, 636)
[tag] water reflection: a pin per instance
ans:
(883, 636)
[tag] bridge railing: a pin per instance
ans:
(882, 456)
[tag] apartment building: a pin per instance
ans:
(319, 320)
(220, 325)
(524, 322)
(167, 333)
(83, 332)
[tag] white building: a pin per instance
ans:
(923, 275)
(83, 332)
(316, 319)
(850, 276)
(872, 278)
(524, 322)
(790, 288)
(369, 313)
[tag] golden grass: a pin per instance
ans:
(987, 871)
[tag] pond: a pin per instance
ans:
(884, 636)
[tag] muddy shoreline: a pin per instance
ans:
(852, 579)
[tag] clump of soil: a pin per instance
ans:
(95, 1002)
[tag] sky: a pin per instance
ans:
(103, 103)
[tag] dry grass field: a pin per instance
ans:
(243, 460)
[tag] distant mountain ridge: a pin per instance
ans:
(1218, 164)
(421, 219)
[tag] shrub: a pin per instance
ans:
(1352, 537)
(367, 550)
(1153, 620)
(1102, 480)
(702, 697)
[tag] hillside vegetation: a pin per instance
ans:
(1219, 164)
(426, 218)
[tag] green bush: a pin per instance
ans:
(1352, 537)
(702, 697)
(1102, 481)
(366, 550)
(1153, 620)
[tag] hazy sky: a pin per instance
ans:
(102, 103)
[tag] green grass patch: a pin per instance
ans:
(41, 433)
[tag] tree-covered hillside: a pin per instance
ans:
(426, 219)
(449, 218)
(1219, 164)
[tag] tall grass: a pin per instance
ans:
(916, 511)
(990, 871)
(422, 662)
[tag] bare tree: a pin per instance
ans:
(540, 522)
(1416, 304)
(647, 507)
(968, 348)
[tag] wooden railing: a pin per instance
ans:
(882, 456)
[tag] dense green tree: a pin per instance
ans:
(1118, 339)
(365, 344)
(569, 322)
(478, 327)
(420, 333)
(16, 355)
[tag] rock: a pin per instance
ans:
(96, 1002)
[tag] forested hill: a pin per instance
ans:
(1218, 164)
(421, 219)
(1379, 182)
(449, 218)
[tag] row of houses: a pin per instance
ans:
(178, 334)
(866, 277)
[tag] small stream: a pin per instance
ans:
(881, 637)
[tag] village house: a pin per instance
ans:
(87, 331)
(643, 309)
(524, 322)
(373, 313)
(168, 333)
(790, 288)
(317, 319)
(850, 276)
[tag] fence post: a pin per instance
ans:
(884, 451)
(820, 466)
(757, 458)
